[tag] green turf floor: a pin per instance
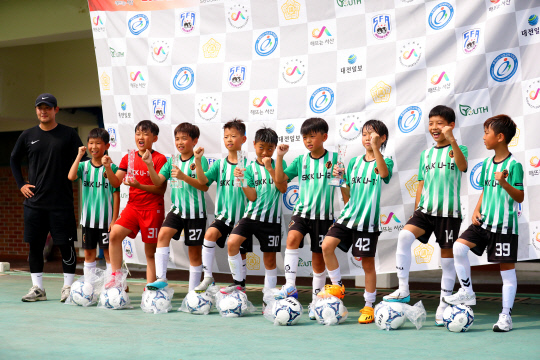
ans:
(52, 330)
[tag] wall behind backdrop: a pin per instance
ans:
(276, 63)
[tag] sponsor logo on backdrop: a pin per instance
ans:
(470, 40)
(238, 16)
(289, 129)
(211, 49)
(123, 106)
(98, 24)
(440, 15)
(253, 261)
(105, 81)
(381, 27)
(532, 95)
(423, 253)
(351, 59)
(112, 136)
(159, 107)
(291, 196)
(321, 100)
(304, 263)
(385, 219)
(409, 119)
(345, 3)
(381, 92)
(410, 54)
(350, 127)
(266, 43)
(437, 78)
(535, 162)
(187, 21)
(536, 241)
(317, 33)
(128, 248)
(515, 139)
(503, 67)
(390, 223)
(474, 178)
(211, 161)
(138, 24)
(356, 262)
(136, 75)
(412, 185)
(258, 102)
(116, 54)
(237, 76)
(533, 20)
(96, 20)
(183, 79)
(293, 71)
(159, 50)
(208, 108)
(291, 10)
(466, 110)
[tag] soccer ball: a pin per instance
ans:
(114, 298)
(156, 301)
(287, 311)
(82, 293)
(330, 311)
(458, 318)
(198, 304)
(389, 315)
(233, 305)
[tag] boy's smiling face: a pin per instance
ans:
(97, 147)
(184, 143)
(144, 140)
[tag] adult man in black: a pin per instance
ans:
(48, 207)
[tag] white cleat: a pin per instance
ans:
(66, 289)
(439, 316)
(461, 298)
(504, 324)
(398, 296)
(203, 286)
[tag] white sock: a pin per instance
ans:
(290, 262)
(370, 298)
(208, 255)
(162, 259)
(244, 268)
(69, 279)
(235, 263)
(403, 258)
(448, 279)
(194, 276)
(508, 290)
(88, 268)
(335, 276)
(37, 279)
(318, 284)
(109, 268)
(463, 266)
(270, 278)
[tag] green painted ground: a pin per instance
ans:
(52, 330)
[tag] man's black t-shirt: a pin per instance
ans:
(50, 156)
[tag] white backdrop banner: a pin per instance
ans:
(276, 63)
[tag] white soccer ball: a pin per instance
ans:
(233, 305)
(198, 303)
(156, 301)
(82, 293)
(389, 315)
(330, 311)
(287, 311)
(114, 298)
(458, 318)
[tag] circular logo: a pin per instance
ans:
(440, 16)
(208, 108)
(328, 164)
(159, 50)
(352, 59)
(409, 119)
(291, 197)
(293, 71)
(138, 24)
(410, 54)
(475, 176)
(451, 154)
(192, 166)
(266, 43)
(238, 16)
(289, 129)
(321, 100)
(350, 127)
(532, 20)
(183, 79)
(503, 67)
(532, 94)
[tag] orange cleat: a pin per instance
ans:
(367, 315)
(332, 290)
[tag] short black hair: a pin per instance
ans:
(379, 127)
(445, 112)
(236, 124)
(147, 125)
(314, 125)
(187, 128)
(502, 124)
(99, 133)
(266, 135)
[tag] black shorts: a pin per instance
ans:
(501, 248)
(446, 229)
(268, 234)
(92, 237)
(316, 229)
(364, 243)
(225, 230)
(39, 222)
(193, 228)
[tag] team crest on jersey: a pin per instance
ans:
(328, 164)
(377, 171)
(505, 173)
(105, 175)
(451, 154)
(192, 166)
(187, 19)
(291, 223)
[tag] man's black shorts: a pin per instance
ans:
(268, 234)
(316, 229)
(446, 229)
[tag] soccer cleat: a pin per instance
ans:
(112, 282)
(204, 285)
(286, 292)
(398, 296)
(311, 312)
(504, 324)
(368, 315)
(332, 290)
(66, 289)
(460, 298)
(439, 316)
(35, 294)
(229, 289)
(157, 285)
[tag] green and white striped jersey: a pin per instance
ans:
(188, 202)
(361, 212)
(267, 206)
(316, 199)
(230, 200)
(498, 209)
(442, 182)
(97, 195)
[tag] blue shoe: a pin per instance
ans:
(286, 292)
(439, 316)
(157, 285)
(398, 296)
